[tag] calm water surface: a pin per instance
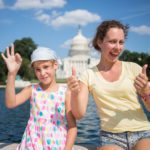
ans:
(13, 123)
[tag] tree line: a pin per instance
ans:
(25, 46)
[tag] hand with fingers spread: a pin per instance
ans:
(73, 82)
(141, 82)
(13, 61)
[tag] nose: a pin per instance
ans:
(42, 72)
(117, 46)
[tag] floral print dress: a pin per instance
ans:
(46, 128)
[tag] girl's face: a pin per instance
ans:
(45, 71)
(112, 44)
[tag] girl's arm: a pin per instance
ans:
(143, 87)
(20, 97)
(72, 129)
(79, 96)
(13, 62)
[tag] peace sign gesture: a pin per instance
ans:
(13, 61)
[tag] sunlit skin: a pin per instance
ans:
(112, 45)
(110, 68)
(45, 73)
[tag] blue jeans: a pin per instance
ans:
(125, 140)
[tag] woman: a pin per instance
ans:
(116, 87)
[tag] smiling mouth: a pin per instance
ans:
(43, 78)
(114, 55)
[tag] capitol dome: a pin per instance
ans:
(79, 45)
(79, 38)
(79, 57)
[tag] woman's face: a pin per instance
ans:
(112, 44)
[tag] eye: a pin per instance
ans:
(46, 67)
(112, 41)
(121, 42)
(37, 69)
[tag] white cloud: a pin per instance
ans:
(42, 4)
(1, 4)
(144, 30)
(55, 14)
(66, 44)
(72, 18)
(42, 17)
(75, 17)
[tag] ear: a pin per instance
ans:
(55, 64)
(99, 42)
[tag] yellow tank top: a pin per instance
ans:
(117, 102)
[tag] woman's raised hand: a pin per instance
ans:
(141, 82)
(73, 82)
(12, 60)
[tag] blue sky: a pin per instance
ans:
(53, 23)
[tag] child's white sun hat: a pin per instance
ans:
(44, 53)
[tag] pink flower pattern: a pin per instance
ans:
(46, 128)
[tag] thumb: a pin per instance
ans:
(73, 71)
(144, 69)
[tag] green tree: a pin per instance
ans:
(139, 58)
(26, 71)
(24, 47)
(125, 55)
(3, 72)
(147, 61)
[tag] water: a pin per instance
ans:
(13, 123)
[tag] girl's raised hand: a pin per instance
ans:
(12, 60)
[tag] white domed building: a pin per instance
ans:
(79, 57)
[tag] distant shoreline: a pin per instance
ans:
(4, 86)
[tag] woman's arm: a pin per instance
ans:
(79, 96)
(72, 129)
(79, 101)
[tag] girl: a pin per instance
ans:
(46, 128)
(115, 86)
